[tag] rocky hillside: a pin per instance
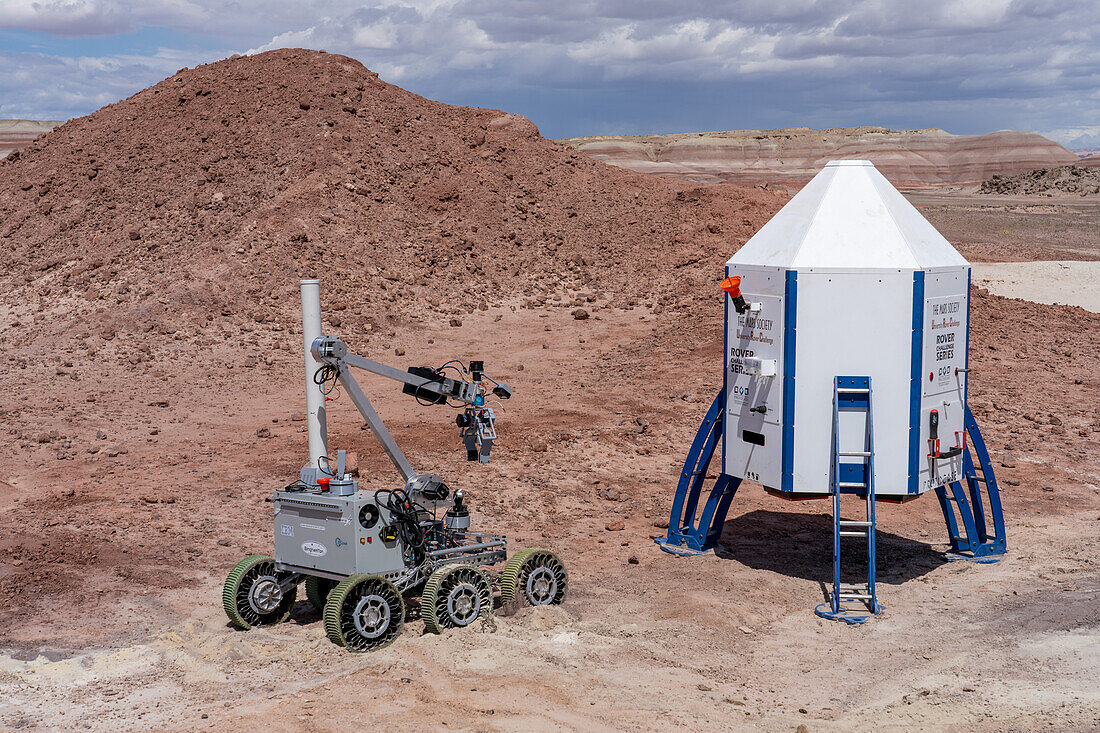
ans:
(1068, 179)
(908, 158)
(202, 199)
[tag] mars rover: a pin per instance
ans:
(361, 552)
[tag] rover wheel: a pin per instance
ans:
(317, 590)
(253, 596)
(455, 596)
(537, 576)
(364, 613)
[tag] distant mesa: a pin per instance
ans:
(18, 134)
(911, 158)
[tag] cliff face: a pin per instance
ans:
(908, 158)
(18, 134)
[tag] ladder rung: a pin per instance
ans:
(857, 399)
(980, 479)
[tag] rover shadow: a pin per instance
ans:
(800, 545)
(304, 614)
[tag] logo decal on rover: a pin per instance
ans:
(340, 542)
(316, 549)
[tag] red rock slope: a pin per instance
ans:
(207, 195)
(908, 158)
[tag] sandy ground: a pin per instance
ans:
(1048, 244)
(1060, 281)
(723, 642)
(151, 376)
(1014, 228)
(141, 442)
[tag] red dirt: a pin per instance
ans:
(180, 346)
(217, 186)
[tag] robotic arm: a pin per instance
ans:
(430, 387)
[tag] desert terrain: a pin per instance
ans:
(152, 398)
(909, 158)
(18, 134)
(1040, 246)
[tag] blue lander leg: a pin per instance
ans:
(959, 543)
(685, 535)
(978, 546)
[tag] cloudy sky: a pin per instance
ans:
(607, 66)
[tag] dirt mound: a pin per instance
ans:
(1071, 179)
(149, 257)
(204, 197)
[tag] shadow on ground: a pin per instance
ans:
(800, 545)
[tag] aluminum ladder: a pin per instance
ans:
(853, 394)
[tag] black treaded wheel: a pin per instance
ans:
(455, 596)
(364, 613)
(317, 590)
(538, 577)
(252, 595)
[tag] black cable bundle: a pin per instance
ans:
(406, 514)
(325, 374)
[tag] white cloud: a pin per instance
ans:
(39, 86)
(973, 64)
(378, 35)
(82, 18)
(304, 38)
(1085, 136)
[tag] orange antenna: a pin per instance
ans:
(732, 285)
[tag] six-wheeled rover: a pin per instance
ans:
(360, 552)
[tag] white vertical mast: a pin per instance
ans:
(315, 401)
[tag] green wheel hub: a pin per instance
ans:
(455, 596)
(538, 577)
(317, 590)
(252, 595)
(364, 613)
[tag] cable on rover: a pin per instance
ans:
(325, 374)
(406, 513)
(460, 368)
(430, 401)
